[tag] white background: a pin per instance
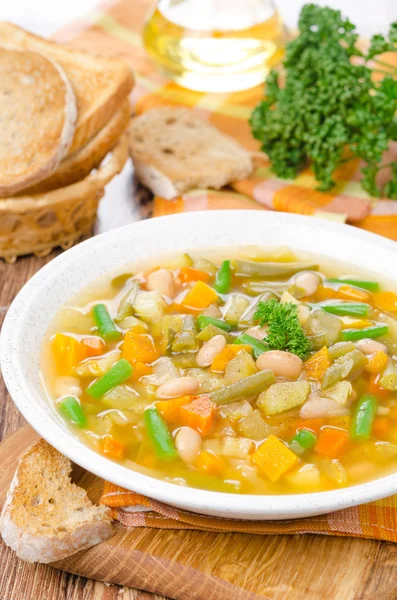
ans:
(46, 16)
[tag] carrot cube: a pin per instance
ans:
(274, 458)
(190, 274)
(94, 345)
(199, 414)
(347, 292)
(316, 366)
(200, 296)
(332, 442)
(228, 353)
(386, 301)
(68, 353)
(209, 463)
(380, 428)
(111, 447)
(140, 369)
(377, 362)
(139, 347)
(171, 409)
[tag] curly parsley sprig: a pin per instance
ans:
(330, 108)
(284, 330)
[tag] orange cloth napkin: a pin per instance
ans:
(115, 29)
(375, 520)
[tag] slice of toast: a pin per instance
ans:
(45, 516)
(174, 151)
(101, 84)
(77, 166)
(37, 118)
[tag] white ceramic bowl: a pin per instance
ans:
(33, 309)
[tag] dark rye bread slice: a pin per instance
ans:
(37, 118)
(45, 516)
(77, 166)
(174, 151)
(100, 83)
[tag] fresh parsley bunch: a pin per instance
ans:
(331, 108)
(284, 330)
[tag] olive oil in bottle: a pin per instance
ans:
(215, 45)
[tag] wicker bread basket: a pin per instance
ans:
(40, 222)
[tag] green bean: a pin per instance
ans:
(371, 286)
(305, 438)
(223, 278)
(125, 308)
(363, 417)
(211, 331)
(237, 307)
(340, 349)
(185, 340)
(388, 378)
(106, 327)
(257, 346)
(203, 321)
(159, 434)
(368, 332)
(354, 309)
(250, 386)
(72, 409)
(253, 288)
(269, 269)
(349, 365)
(118, 373)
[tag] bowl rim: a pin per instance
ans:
(241, 506)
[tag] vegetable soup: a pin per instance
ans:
(239, 370)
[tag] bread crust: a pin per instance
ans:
(77, 166)
(38, 118)
(175, 151)
(101, 84)
(21, 520)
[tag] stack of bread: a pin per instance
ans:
(61, 113)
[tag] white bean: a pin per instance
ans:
(283, 364)
(67, 386)
(161, 281)
(210, 350)
(188, 444)
(369, 346)
(307, 281)
(178, 387)
(319, 406)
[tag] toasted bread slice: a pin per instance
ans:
(45, 516)
(174, 151)
(100, 83)
(38, 116)
(79, 165)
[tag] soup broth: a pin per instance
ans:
(242, 370)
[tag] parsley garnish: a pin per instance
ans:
(285, 331)
(330, 110)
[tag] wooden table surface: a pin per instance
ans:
(20, 580)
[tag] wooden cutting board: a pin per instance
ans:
(189, 565)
